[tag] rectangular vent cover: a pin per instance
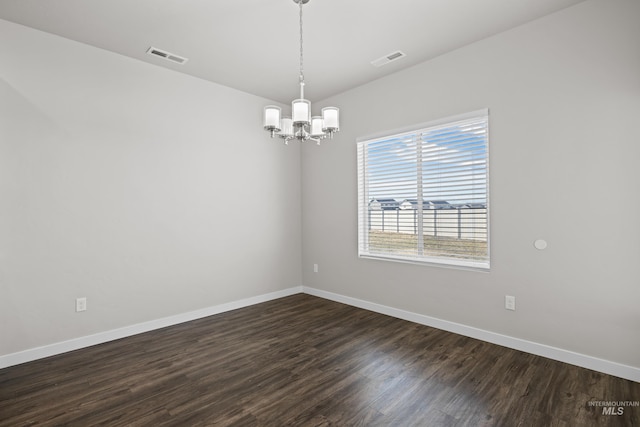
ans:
(394, 56)
(166, 55)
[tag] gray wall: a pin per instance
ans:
(113, 175)
(564, 100)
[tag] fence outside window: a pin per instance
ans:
(458, 223)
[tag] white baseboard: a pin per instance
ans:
(589, 362)
(102, 337)
(605, 366)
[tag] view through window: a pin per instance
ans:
(423, 193)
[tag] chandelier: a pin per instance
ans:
(301, 125)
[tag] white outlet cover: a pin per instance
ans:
(510, 302)
(81, 304)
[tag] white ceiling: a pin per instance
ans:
(253, 45)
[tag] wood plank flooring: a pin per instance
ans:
(306, 361)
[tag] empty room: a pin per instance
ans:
(320, 213)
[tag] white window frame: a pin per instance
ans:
(365, 197)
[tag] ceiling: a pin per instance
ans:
(253, 45)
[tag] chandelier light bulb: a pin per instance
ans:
(317, 125)
(331, 119)
(272, 118)
(286, 127)
(301, 109)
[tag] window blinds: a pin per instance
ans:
(423, 193)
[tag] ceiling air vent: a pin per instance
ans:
(388, 58)
(166, 55)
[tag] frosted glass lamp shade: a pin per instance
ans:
(272, 118)
(316, 127)
(287, 127)
(301, 109)
(331, 119)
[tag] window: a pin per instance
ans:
(423, 193)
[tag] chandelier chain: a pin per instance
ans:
(301, 49)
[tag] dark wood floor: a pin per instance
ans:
(305, 361)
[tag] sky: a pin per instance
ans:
(453, 158)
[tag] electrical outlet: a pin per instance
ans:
(315, 268)
(81, 304)
(510, 302)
